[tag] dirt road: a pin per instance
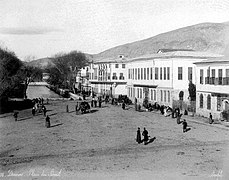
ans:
(101, 145)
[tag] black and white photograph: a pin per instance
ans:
(114, 89)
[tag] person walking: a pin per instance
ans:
(15, 115)
(100, 101)
(33, 111)
(145, 135)
(185, 124)
(138, 138)
(47, 122)
(44, 110)
(210, 118)
(123, 105)
(95, 101)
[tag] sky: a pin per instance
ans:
(43, 28)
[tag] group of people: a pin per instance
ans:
(144, 134)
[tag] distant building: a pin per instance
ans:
(108, 76)
(212, 87)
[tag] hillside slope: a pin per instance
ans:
(211, 37)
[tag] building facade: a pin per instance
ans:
(164, 77)
(212, 89)
(108, 77)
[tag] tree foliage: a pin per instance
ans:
(66, 67)
(192, 91)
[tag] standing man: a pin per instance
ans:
(100, 101)
(184, 126)
(146, 137)
(44, 110)
(138, 138)
(33, 111)
(210, 118)
(47, 121)
(123, 105)
(15, 115)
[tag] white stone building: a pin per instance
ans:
(109, 76)
(212, 87)
(163, 77)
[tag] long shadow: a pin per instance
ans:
(188, 129)
(48, 110)
(22, 119)
(52, 114)
(150, 140)
(56, 125)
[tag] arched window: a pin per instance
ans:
(181, 95)
(209, 102)
(201, 100)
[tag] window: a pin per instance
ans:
(121, 77)
(114, 76)
(116, 65)
(180, 73)
(147, 73)
(161, 95)
(213, 77)
(155, 95)
(141, 73)
(133, 92)
(140, 93)
(168, 73)
(201, 76)
(135, 73)
(123, 66)
(218, 103)
(164, 73)
(181, 95)
(164, 96)
(151, 73)
(128, 73)
(161, 73)
(168, 96)
(138, 73)
(151, 94)
(190, 73)
(156, 73)
(208, 102)
(108, 75)
(220, 75)
(201, 101)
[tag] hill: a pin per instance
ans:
(210, 37)
(42, 63)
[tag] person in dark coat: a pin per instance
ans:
(100, 102)
(210, 118)
(47, 122)
(123, 105)
(44, 110)
(138, 138)
(15, 115)
(185, 124)
(33, 111)
(145, 135)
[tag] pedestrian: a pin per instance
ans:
(185, 124)
(92, 102)
(44, 110)
(76, 108)
(15, 115)
(145, 135)
(123, 105)
(100, 102)
(47, 121)
(178, 118)
(95, 101)
(138, 138)
(135, 103)
(210, 118)
(67, 110)
(33, 111)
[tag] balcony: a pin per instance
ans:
(121, 78)
(114, 77)
(217, 81)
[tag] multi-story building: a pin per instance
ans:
(163, 77)
(108, 76)
(212, 87)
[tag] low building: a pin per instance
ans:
(212, 87)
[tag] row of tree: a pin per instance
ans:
(66, 66)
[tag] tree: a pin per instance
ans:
(192, 91)
(64, 72)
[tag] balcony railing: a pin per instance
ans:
(121, 78)
(114, 77)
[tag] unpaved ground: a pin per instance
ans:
(101, 145)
